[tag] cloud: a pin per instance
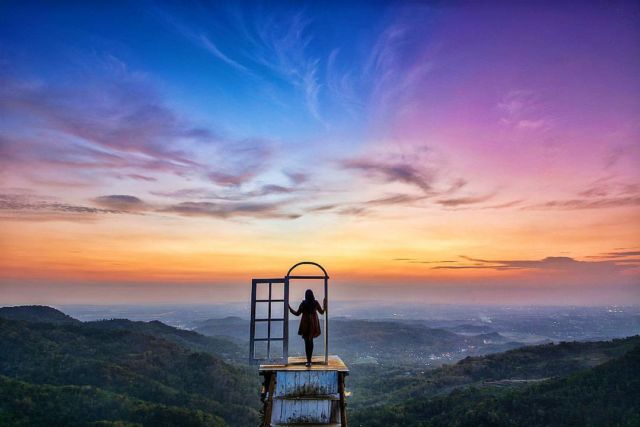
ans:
(418, 261)
(590, 203)
(269, 189)
(322, 208)
(366, 207)
(462, 201)
(31, 207)
(229, 179)
(297, 178)
(606, 186)
(551, 263)
(128, 131)
(213, 49)
(392, 172)
(504, 205)
(230, 210)
(120, 202)
(34, 207)
(603, 193)
(240, 161)
(523, 110)
(618, 154)
(395, 199)
(354, 211)
(616, 254)
(127, 123)
(277, 42)
(139, 177)
(229, 194)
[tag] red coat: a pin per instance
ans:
(309, 323)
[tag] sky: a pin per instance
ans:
(426, 152)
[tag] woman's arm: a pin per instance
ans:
(294, 312)
(321, 310)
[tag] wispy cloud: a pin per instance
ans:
(297, 178)
(272, 41)
(213, 49)
(129, 131)
(523, 109)
(589, 203)
(29, 207)
(231, 210)
(616, 254)
(121, 202)
(552, 263)
(395, 199)
(393, 172)
(33, 207)
(229, 194)
(464, 201)
(419, 261)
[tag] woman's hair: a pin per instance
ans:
(309, 298)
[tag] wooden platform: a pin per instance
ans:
(298, 364)
(295, 395)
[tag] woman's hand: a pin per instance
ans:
(292, 311)
(324, 304)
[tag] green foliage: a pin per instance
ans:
(608, 394)
(36, 313)
(23, 404)
(188, 339)
(128, 362)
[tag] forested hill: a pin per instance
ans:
(551, 385)
(36, 313)
(74, 373)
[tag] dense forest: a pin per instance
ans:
(74, 373)
(608, 394)
(58, 371)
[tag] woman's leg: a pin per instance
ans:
(308, 348)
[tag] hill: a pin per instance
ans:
(189, 339)
(126, 366)
(36, 313)
(552, 381)
(25, 404)
(387, 342)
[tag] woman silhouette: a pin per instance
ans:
(309, 323)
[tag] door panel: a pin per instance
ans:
(269, 340)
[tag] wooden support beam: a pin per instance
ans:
(343, 405)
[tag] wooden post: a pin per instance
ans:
(252, 326)
(343, 405)
(326, 322)
(269, 408)
(285, 333)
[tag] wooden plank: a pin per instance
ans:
(314, 411)
(307, 383)
(298, 364)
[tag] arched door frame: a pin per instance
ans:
(325, 278)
